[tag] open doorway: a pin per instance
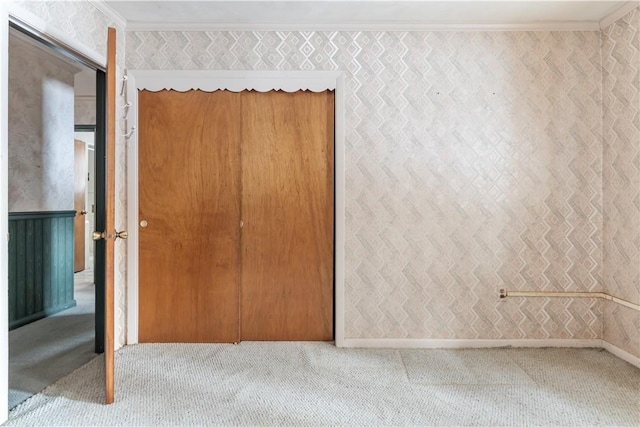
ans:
(85, 166)
(56, 287)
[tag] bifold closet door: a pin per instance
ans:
(287, 211)
(189, 183)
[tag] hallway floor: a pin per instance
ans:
(46, 350)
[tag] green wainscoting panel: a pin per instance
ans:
(40, 265)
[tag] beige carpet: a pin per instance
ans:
(257, 383)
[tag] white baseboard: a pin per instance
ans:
(486, 343)
(468, 343)
(622, 354)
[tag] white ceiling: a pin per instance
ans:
(346, 14)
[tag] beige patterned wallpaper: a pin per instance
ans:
(621, 178)
(83, 22)
(473, 162)
(40, 130)
(85, 110)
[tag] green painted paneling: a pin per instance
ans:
(19, 286)
(12, 269)
(40, 265)
(29, 294)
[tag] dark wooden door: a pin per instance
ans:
(189, 210)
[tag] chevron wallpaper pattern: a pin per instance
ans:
(621, 178)
(473, 162)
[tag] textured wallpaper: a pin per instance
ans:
(473, 162)
(85, 110)
(621, 178)
(40, 133)
(83, 22)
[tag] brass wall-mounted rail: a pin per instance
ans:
(551, 294)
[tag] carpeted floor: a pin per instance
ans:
(46, 350)
(270, 383)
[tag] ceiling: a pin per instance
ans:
(360, 14)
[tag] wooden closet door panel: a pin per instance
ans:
(189, 184)
(287, 209)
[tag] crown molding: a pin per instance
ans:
(360, 26)
(108, 10)
(619, 13)
(364, 26)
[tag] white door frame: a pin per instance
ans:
(4, 214)
(12, 12)
(235, 81)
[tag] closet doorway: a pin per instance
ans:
(236, 216)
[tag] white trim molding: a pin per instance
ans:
(622, 354)
(619, 13)
(408, 343)
(132, 212)
(20, 42)
(4, 213)
(468, 343)
(362, 26)
(40, 26)
(235, 81)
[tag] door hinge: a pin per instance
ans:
(8, 237)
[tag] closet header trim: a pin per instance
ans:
(236, 81)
